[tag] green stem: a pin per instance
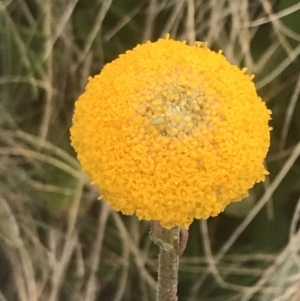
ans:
(168, 262)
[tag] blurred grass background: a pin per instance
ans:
(57, 242)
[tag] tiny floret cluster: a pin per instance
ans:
(171, 132)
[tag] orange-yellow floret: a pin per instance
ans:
(171, 132)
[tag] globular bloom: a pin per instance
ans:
(171, 132)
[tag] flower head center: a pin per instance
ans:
(178, 111)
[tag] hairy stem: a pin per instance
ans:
(168, 242)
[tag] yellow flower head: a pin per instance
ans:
(171, 132)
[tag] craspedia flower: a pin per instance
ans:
(171, 132)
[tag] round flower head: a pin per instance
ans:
(171, 132)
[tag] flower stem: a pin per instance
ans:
(168, 242)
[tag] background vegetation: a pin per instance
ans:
(57, 242)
